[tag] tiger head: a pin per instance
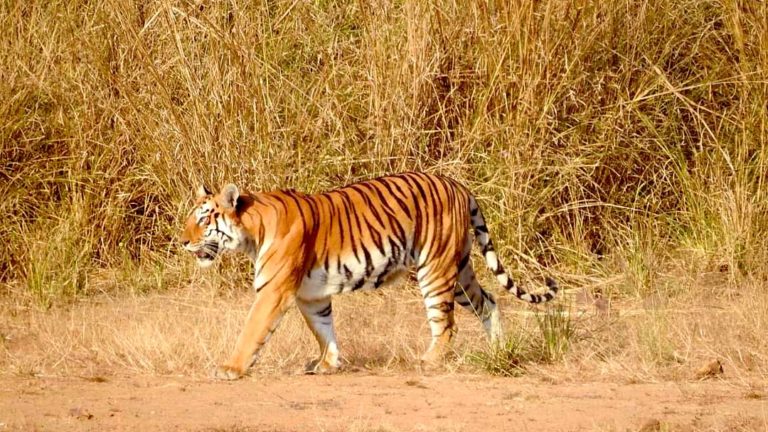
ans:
(213, 226)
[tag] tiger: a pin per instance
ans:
(363, 236)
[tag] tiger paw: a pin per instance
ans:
(431, 366)
(227, 373)
(433, 360)
(321, 367)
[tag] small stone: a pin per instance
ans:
(80, 413)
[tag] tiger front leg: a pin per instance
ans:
(319, 317)
(263, 318)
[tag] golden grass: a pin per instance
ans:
(191, 330)
(620, 146)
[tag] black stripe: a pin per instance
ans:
(372, 230)
(448, 288)
(399, 231)
(396, 251)
(376, 238)
(341, 229)
(386, 183)
(364, 195)
(428, 209)
(433, 276)
(281, 202)
(382, 199)
(442, 307)
(322, 239)
(551, 284)
(463, 262)
(392, 219)
(351, 213)
(326, 311)
(358, 284)
(257, 199)
(301, 210)
(436, 219)
(368, 263)
(451, 194)
(270, 201)
(267, 256)
(423, 201)
(259, 288)
(314, 212)
(383, 274)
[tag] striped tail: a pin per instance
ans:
(484, 240)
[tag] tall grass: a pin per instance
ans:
(600, 137)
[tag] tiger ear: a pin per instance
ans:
(229, 196)
(202, 192)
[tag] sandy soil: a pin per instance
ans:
(363, 402)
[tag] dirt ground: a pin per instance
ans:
(364, 402)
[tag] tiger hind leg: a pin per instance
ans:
(437, 289)
(319, 317)
(472, 297)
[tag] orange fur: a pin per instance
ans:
(306, 248)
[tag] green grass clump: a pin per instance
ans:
(505, 359)
(555, 332)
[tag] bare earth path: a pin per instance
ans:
(361, 402)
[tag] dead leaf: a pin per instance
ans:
(709, 370)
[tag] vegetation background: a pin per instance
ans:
(618, 145)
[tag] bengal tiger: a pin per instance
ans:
(306, 248)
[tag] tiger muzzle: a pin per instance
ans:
(208, 251)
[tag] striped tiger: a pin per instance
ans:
(306, 248)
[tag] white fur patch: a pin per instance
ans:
(204, 263)
(422, 273)
(492, 260)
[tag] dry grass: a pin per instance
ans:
(192, 329)
(618, 145)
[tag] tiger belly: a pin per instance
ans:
(350, 274)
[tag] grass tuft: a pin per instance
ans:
(557, 332)
(550, 342)
(505, 359)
